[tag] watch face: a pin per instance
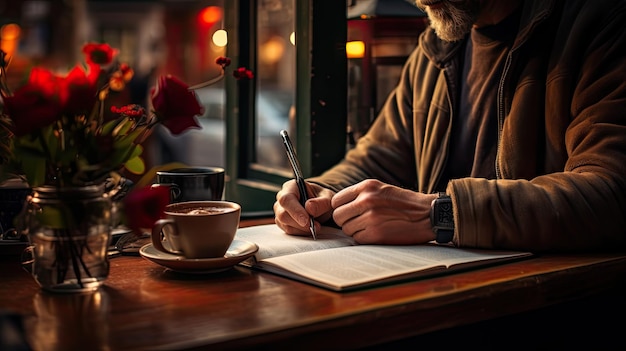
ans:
(442, 219)
(443, 213)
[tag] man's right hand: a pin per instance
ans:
(291, 217)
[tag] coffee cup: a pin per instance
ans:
(193, 183)
(197, 229)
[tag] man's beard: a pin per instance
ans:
(452, 20)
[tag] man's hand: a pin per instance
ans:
(377, 213)
(291, 217)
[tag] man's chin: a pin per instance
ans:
(450, 34)
(452, 21)
(449, 28)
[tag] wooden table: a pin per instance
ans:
(145, 307)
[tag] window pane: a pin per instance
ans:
(275, 76)
(192, 48)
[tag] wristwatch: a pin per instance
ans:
(442, 218)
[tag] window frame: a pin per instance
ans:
(321, 100)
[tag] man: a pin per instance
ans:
(516, 110)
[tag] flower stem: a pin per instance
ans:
(208, 82)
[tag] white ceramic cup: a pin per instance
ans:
(197, 229)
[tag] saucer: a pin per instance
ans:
(238, 251)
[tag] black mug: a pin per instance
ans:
(193, 183)
(13, 193)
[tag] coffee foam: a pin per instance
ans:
(204, 210)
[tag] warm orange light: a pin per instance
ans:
(10, 31)
(9, 35)
(355, 49)
(210, 14)
(272, 50)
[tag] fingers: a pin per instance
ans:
(319, 206)
(345, 205)
(373, 212)
(287, 208)
(345, 196)
(286, 222)
(292, 217)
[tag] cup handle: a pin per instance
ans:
(175, 192)
(156, 236)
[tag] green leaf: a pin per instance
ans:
(108, 127)
(126, 140)
(135, 165)
(123, 128)
(125, 148)
(137, 151)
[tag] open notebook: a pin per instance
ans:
(335, 261)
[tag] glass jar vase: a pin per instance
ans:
(69, 229)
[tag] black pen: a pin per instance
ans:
(297, 171)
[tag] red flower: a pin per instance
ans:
(243, 73)
(132, 111)
(101, 54)
(175, 105)
(223, 61)
(47, 82)
(36, 104)
(79, 90)
(144, 206)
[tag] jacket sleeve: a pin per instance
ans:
(582, 206)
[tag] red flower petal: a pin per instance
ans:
(144, 206)
(130, 111)
(36, 104)
(99, 53)
(45, 81)
(223, 61)
(78, 92)
(175, 105)
(243, 73)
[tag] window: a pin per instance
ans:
(307, 83)
(276, 80)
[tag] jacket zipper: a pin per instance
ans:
(505, 71)
(446, 153)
